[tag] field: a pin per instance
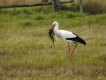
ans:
(25, 52)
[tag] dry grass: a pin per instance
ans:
(25, 52)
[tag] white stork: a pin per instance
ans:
(67, 36)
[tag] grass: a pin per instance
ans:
(25, 52)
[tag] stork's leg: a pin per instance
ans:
(69, 48)
(53, 44)
(73, 50)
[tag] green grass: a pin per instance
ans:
(25, 52)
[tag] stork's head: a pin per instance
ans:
(55, 25)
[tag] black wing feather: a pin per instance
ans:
(77, 39)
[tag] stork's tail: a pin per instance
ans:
(80, 40)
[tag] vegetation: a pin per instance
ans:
(89, 6)
(25, 52)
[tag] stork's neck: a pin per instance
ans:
(57, 31)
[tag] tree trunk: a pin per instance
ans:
(55, 5)
(80, 4)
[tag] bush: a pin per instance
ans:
(92, 7)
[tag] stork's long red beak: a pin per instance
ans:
(51, 27)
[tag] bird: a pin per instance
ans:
(67, 36)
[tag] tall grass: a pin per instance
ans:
(25, 51)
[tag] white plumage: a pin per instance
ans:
(67, 36)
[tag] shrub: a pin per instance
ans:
(92, 7)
